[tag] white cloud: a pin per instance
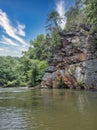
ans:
(60, 8)
(1, 49)
(16, 51)
(11, 31)
(8, 41)
(23, 48)
(20, 30)
(4, 50)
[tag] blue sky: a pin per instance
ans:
(22, 20)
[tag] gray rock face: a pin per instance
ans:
(91, 74)
(75, 63)
(85, 73)
(68, 34)
(49, 76)
(51, 69)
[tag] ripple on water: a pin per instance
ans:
(11, 119)
(24, 109)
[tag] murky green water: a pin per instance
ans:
(24, 109)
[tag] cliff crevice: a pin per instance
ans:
(75, 63)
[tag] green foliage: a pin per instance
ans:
(8, 71)
(61, 83)
(53, 28)
(81, 84)
(15, 72)
(41, 70)
(53, 21)
(11, 83)
(29, 69)
(39, 48)
(76, 15)
(56, 40)
(83, 12)
(91, 11)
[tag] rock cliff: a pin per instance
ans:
(75, 63)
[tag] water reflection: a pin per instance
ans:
(82, 102)
(24, 109)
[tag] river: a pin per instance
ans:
(47, 109)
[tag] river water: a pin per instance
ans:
(26, 109)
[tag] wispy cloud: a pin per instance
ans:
(13, 32)
(8, 41)
(20, 30)
(1, 49)
(4, 50)
(60, 8)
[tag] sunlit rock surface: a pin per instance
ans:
(75, 64)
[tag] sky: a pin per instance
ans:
(22, 20)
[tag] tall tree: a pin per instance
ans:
(53, 21)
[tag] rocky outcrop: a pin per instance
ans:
(75, 64)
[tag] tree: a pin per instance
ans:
(38, 45)
(91, 11)
(76, 15)
(53, 26)
(8, 73)
(33, 73)
(53, 21)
